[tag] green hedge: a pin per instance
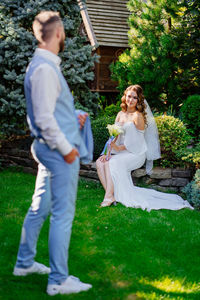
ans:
(173, 136)
(100, 133)
(191, 115)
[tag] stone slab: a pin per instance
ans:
(165, 182)
(138, 173)
(160, 173)
(24, 162)
(90, 166)
(182, 173)
(93, 166)
(88, 174)
(179, 182)
(176, 182)
(164, 189)
(29, 170)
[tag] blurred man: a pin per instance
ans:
(53, 123)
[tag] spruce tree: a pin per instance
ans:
(17, 45)
(153, 60)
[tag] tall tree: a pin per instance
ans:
(188, 35)
(154, 59)
(16, 49)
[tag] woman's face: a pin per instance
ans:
(131, 99)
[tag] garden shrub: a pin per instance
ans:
(173, 136)
(192, 191)
(112, 109)
(191, 156)
(100, 133)
(191, 115)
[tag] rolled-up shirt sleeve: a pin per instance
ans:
(45, 91)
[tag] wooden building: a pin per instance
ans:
(106, 26)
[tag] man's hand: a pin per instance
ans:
(82, 118)
(70, 158)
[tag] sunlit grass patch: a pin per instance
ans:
(169, 286)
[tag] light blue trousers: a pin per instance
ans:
(55, 193)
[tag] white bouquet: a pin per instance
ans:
(114, 131)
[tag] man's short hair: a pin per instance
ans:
(44, 25)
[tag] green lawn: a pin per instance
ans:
(125, 253)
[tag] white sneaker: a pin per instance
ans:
(35, 268)
(70, 285)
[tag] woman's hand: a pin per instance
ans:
(103, 158)
(117, 148)
(114, 146)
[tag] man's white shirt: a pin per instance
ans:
(45, 91)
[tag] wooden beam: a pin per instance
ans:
(88, 24)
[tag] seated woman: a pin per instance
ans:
(138, 143)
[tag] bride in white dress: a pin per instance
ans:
(139, 143)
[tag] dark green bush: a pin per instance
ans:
(100, 133)
(191, 115)
(192, 191)
(173, 136)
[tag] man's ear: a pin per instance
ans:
(58, 32)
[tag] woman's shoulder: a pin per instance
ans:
(119, 114)
(138, 116)
(139, 121)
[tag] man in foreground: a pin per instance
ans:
(53, 123)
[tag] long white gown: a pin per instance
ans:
(122, 163)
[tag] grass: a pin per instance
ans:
(125, 253)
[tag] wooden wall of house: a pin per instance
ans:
(103, 82)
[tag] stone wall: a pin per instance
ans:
(160, 179)
(164, 179)
(18, 154)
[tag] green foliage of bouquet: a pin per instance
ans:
(192, 191)
(191, 115)
(173, 136)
